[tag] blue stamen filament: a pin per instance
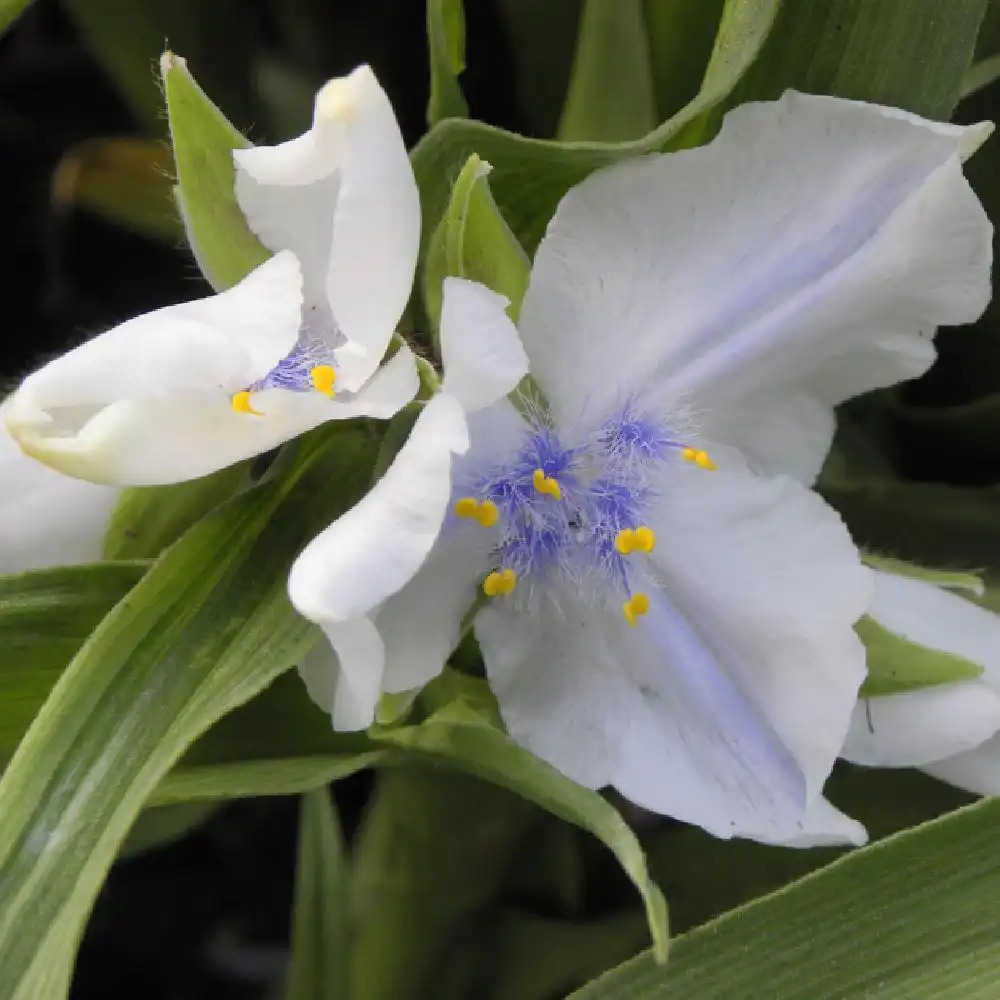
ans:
(308, 368)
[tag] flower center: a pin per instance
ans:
(308, 368)
(577, 515)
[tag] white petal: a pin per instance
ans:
(938, 619)
(779, 433)
(814, 242)
(480, 348)
(767, 573)
(149, 401)
(976, 770)
(914, 728)
(823, 826)
(343, 197)
(47, 519)
(344, 677)
(420, 625)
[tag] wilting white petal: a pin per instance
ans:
(823, 826)
(373, 550)
(149, 401)
(47, 519)
(914, 728)
(976, 770)
(481, 351)
(343, 197)
(814, 244)
(919, 727)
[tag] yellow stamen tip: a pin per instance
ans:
(322, 378)
(546, 485)
(467, 507)
(241, 403)
(635, 607)
(689, 454)
(703, 461)
(625, 541)
(499, 582)
(486, 514)
(645, 538)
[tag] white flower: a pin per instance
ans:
(664, 615)
(47, 519)
(188, 389)
(949, 729)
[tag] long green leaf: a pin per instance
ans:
(913, 917)
(530, 175)
(446, 47)
(204, 630)
(10, 11)
(319, 966)
(610, 96)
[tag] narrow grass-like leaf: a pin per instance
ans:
(913, 917)
(446, 48)
(205, 629)
(319, 966)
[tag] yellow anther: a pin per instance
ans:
(499, 582)
(636, 606)
(241, 403)
(699, 457)
(645, 538)
(641, 539)
(322, 378)
(486, 514)
(625, 541)
(546, 484)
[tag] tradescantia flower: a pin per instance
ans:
(191, 388)
(949, 729)
(47, 519)
(662, 603)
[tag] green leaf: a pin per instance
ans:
(980, 75)
(461, 735)
(530, 175)
(45, 617)
(204, 630)
(681, 34)
(319, 963)
(127, 36)
(10, 11)
(910, 54)
(473, 241)
(610, 95)
(123, 180)
(203, 142)
(149, 518)
(446, 42)
(896, 664)
(910, 918)
(162, 826)
(946, 578)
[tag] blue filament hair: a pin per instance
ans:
(293, 372)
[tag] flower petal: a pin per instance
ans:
(824, 825)
(814, 243)
(766, 572)
(480, 348)
(171, 371)
(373, 550)
(47, 519)
(914, 728)
(976, 770)
(343, 197)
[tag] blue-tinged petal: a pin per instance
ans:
(814, 245)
